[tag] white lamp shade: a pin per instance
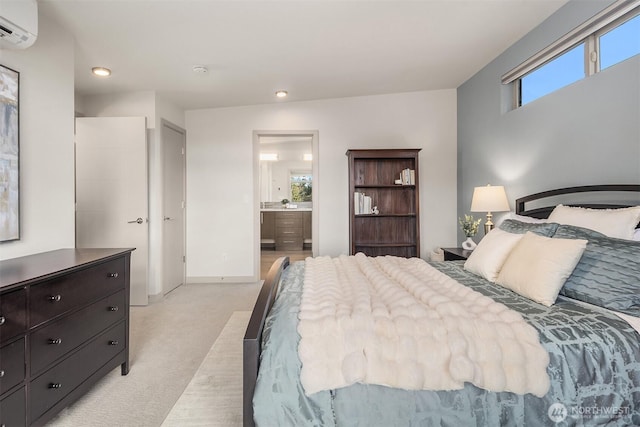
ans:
(489, 199)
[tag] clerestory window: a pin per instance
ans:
(608, 38)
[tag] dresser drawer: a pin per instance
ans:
(13, 314)
(12, 365)
(57, 296)
(289, 232)
(289, 215)
(289, 243)
(295, 222)
(13, 409)
(58, 338)
(54, 384)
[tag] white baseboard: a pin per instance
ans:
(221, 279)
(155, 298)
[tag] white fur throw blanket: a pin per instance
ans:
(401, 323)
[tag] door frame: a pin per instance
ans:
(165, 123)
(256, 188)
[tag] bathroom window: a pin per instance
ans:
(301, 185)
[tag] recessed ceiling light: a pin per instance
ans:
(200, 69)
(282, 93)
(101, 71)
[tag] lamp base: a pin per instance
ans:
(488, 225)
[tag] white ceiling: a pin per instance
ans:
(312, 49)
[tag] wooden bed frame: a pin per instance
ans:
(544, 212)
(253, 337)
(252, 343)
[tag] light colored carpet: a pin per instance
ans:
(213, 398)
(169, 340)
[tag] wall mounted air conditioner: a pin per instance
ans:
(18, 23)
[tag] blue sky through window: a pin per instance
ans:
(620, 43)
(617, 45)
(558, 73)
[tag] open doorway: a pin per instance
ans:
(286, 194)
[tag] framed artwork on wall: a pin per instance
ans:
(9, 155)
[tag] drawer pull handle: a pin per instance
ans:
(114, 275)
(2, 320)
(1, 373)
(113, 308)
(56, 341)
(55, 385)
(113, 342)
(55, 298)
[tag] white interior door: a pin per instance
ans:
(111, 191)
(173, 229)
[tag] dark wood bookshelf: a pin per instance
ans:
(396, 229)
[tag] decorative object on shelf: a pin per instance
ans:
(469, 226)
(362, 204)
(375, 210)
(407, 177)
(489, 199)
(285, 203)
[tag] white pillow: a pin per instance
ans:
(487, 258)
(620, 223)
(636, 235)
(521, 218)
(538, 266)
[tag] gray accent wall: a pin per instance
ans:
(585, 133)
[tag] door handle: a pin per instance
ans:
(168, 218)
(136, 221)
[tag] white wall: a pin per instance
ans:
(220, 193)
(47, 215)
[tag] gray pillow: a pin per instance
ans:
(518, 227)
(608, 274)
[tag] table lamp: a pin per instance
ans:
(489, 199)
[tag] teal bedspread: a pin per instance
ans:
(594, 371)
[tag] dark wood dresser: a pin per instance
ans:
(64, 324)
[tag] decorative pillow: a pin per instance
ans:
(574, 232)
(608, 274)
(518, 227)
(487, 258)
(521, 218)
(538, 266)
(636, 235)
(620, 223)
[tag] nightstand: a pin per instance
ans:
(455, 254)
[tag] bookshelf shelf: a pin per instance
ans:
(373, 216)
(394, 186)
(396, 229)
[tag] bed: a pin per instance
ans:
(588, 333)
